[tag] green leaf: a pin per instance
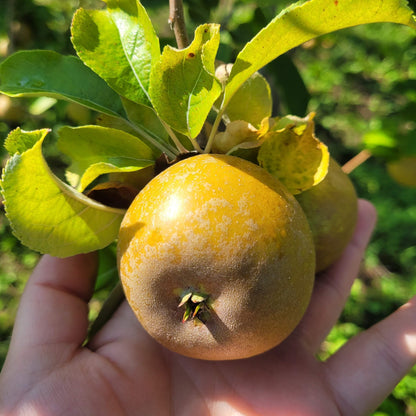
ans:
(48, 215)
(381, 143)
(42, 104)
(47, 73)
(107, 275)
(139, 126)
(148, 121)
(119, 44)
(96, 150)
(290, 86)
(146, 118)
(182, 84)
(306, 20)
(255, 91)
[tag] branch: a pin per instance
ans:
(356, 161)
(10, 15)
(177, 23)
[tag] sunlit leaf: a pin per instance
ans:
(16, 142)
(47, 73)
(306, 20)
(42, 104)
(48, 215)
(96, 150)
(183, 87)
(381, 143)
(295, 156)
(107, 275)
(119, 44)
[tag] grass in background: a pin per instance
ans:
(16, 263)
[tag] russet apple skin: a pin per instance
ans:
(331, 209)
(223, 226)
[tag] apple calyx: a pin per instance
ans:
(196, 304)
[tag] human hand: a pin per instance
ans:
(122, 371)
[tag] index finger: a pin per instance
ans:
(332, 288)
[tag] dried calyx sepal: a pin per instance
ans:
(196, 304)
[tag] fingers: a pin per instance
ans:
(125, 343)
(53, 308)
(122, 328)
(333, 286)
(368, 367)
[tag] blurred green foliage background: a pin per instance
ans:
(358, 80)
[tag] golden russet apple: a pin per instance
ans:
(216, 258)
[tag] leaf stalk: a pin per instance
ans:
(178, 144)
(214, 130)
(145, 135)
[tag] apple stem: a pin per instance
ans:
(213, 131)
(177, 23)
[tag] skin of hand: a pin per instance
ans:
(122, 371)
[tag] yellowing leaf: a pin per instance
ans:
(236, 132)
(45, 213)
(96, 150)
(239, 134)
(295, 156)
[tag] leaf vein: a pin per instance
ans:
(189, 104)
(129, 60)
